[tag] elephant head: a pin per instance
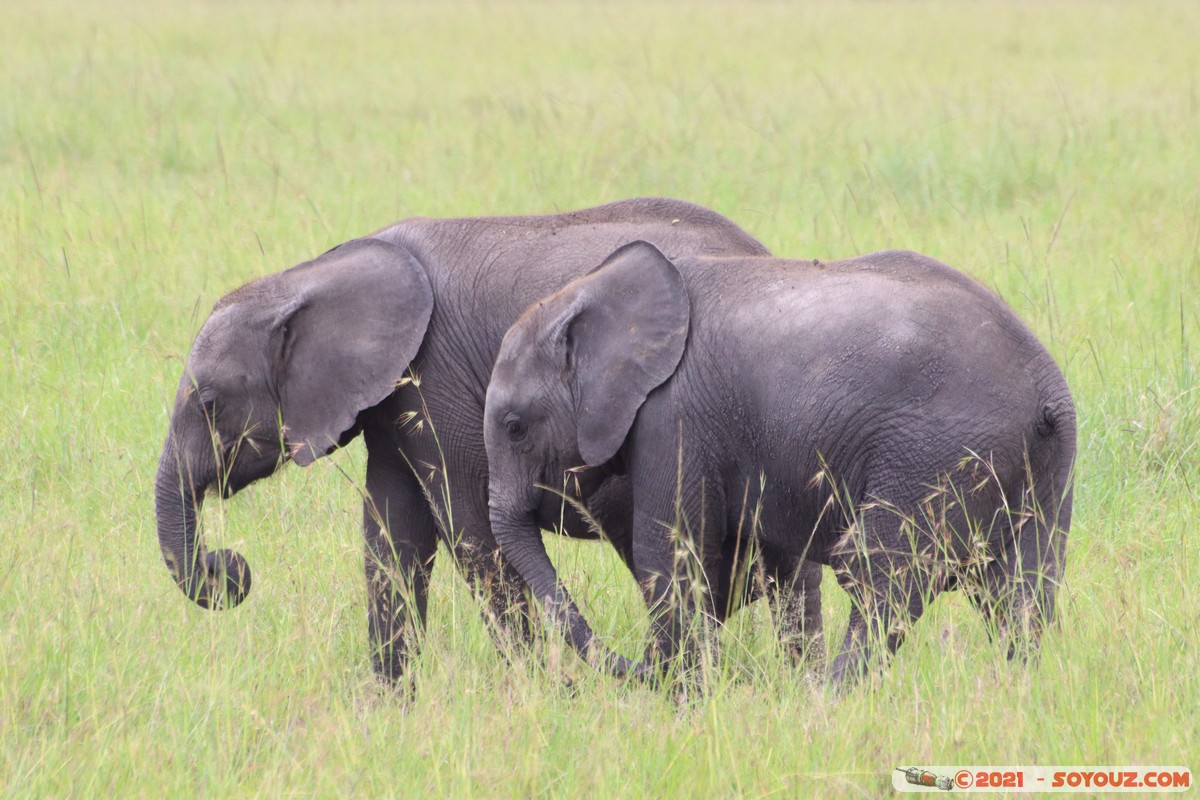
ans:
(279, 372)
(569, 379)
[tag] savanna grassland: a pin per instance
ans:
(154, 156)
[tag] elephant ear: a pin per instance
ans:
(623, 335)
(356, 318)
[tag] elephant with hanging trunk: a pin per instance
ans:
(393, 336)
(884, 415)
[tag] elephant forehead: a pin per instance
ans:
(218, 334)
(520, 346)
(518, 379)
(264, 292)
(228, 338)
(510, 379)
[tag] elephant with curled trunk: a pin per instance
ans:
(884, 415)
(393, 336)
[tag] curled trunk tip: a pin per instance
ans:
(213, 580)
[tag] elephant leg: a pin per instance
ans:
(795, 599)
(678, 555)
(495, 583)
(498, 587)
(610, 507)
(400, 545)
(1015, 592)
(453, 487)
(681, 629)
(889, 586)
(792, 586)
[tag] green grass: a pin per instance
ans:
(154, 156)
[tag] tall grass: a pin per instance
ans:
(156, 155)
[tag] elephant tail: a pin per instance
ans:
(1042, 531)
(1054, 430)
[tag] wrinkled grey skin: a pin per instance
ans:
(884, 415)
(294, 364)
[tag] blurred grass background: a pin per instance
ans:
(156, 155)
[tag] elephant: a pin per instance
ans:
(392, 337)
(884, 415)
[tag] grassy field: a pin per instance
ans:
(154, 156)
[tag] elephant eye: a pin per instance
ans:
(208, 402)
(514, 428)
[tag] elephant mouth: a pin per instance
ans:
(238, 479)
(228, 489)
(244, 474)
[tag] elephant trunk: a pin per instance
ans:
(521, 543)
(220, 579)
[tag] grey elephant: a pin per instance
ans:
(393, 337)
(884, 415)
